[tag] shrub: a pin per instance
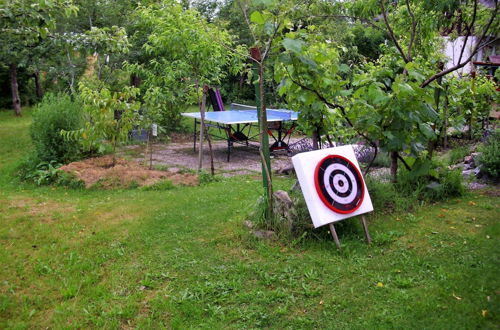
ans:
(439, 184)
(490, 156)
(53, 114)
(387, 198)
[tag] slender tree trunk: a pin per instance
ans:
(315, 140)
(445, 114)
(135, 80)
(16, 101)
(38, 85)
(394, 166)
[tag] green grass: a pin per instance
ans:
(181, 258)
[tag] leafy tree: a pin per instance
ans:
(109, 115)
(23, 24)
(185, 52)
(389, 103)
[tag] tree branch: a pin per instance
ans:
(391, 33)
(363, 20)
(245, 14)
(404, 162)
(473, 53)
(342, 110)
(469, 28)
(413, 29)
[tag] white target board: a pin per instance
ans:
(332, 184)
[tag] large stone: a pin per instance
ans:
(283, 207)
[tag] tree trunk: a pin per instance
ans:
(38, 85)
(315, 140)
(394, 166)
(16, 101)
(135, 80)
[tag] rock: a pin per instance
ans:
(283, 207)
(287, 169)
(454, 167)
(296, 187)
(467, 173)
(477, 172)
(282, 197)
(469, 166)
(265, 234)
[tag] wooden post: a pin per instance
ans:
(365, 228)
(202, 129)
(334, 235)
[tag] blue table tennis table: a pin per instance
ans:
(236, 124)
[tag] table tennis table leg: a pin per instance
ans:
(194, 136)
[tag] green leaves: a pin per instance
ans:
(293, 45)
(257, 18)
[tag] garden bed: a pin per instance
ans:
(100, 172)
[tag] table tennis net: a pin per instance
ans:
(236, 106)
(281, 113)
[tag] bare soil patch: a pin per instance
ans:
(125, 173)
(180, 154)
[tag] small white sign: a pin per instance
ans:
(154, 129)
(332, 184)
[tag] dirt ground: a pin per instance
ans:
(99, 171)
(179, 154)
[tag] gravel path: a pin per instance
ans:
(244, 160)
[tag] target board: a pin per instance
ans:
(332, 184)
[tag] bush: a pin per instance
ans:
(387, 198)
(439, 184)
(490, 156)
(53, 114)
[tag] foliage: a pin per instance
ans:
(206, 178)
(471, 100)
(457, 154)
(431, 184)
(56, 112)
(43, 173)
(159, 186)
(109, 115)
(387, 198)
(185, 53)
(24, 24)
(490, 156)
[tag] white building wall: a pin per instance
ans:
(452, 50)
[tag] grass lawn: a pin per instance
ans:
(182, 259)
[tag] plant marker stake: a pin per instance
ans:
(365, 228)
(202, 128)
(334, 235)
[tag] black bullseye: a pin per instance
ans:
(339, 184)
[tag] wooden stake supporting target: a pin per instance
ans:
(333, 187)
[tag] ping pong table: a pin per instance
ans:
(236, 125)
